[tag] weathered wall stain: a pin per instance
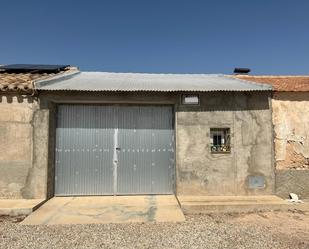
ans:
(291, 126)
(36, 181)
(15, 144)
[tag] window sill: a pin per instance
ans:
(220, 152)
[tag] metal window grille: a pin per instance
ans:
(220, 141)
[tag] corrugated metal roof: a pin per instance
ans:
(102, 81)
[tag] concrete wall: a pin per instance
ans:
(202, 173)
(23, 134)
(198, 171)
(292, 181)
(15, 143)
(28, 132)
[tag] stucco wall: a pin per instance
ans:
(22, 167)
(202, 173)
(15, 144)
(291, 126)
(27, 170)
(198, 172)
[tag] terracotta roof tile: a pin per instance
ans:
(280, 83)
(23, 82)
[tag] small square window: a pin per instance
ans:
(220, 140)
(190, 99)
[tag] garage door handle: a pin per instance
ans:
(118, 149)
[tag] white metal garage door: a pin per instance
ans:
(114, 149)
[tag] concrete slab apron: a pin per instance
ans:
(107, 209)
(19, 206)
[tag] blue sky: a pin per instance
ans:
(168, 36)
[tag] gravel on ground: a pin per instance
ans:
(256, 230)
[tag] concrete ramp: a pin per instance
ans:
(107, 209)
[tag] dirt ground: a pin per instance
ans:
(281, 230)
(290, 227)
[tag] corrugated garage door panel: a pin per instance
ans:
(147, 152)
(110, 149)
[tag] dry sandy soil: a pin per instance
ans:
(291, 228)
(256, 230)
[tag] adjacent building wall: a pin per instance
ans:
(22, 158)
(15, 144)
(291, 126)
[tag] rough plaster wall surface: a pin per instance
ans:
(199, 172)
(15, 144)
(292, 181)
(36, 181)
(291, 126)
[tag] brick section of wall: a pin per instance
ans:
(291, 127)
(292, 181)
